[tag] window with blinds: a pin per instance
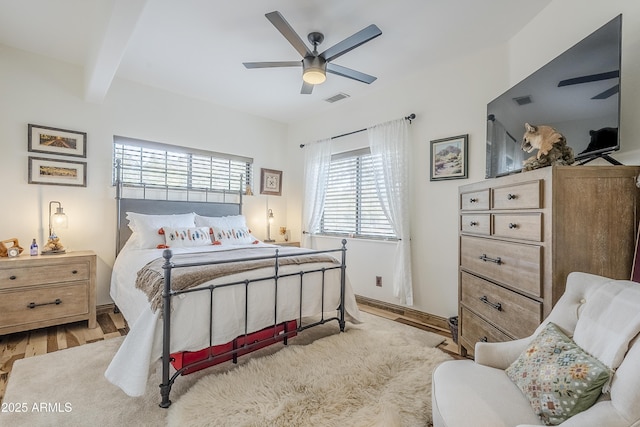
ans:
(152, 165)
(352, 206)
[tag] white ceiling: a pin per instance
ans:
(196, 47)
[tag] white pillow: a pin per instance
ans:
(227, 230)
(186, 237)
(145, 227)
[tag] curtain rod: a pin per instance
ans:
(410, 117)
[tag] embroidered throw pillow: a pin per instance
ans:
(558, 377)
(185, 237)
(145, 227)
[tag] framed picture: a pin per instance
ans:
(449, 158)
(43, 139)
(270, 182)
(57, 172)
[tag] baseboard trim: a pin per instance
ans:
(421, 316)
(105, 308)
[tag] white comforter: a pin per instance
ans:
(142, 346)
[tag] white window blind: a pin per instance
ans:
(155, 165)
(352, 206)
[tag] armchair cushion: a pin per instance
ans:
(557, 376)
(609, 322)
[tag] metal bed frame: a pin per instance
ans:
(150, 206)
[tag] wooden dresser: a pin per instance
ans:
(47, 290)
(521, 235)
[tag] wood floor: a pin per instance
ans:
(110, 325)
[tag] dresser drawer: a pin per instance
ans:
(475, 201)
(518, 196)
(14, 305)
(475, 329)
(508, 310)
(514, 264)
(518, 226)
(476, 224)
(51, 273)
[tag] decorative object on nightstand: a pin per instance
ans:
(57, 220)
(37, 292)
(10, 251)
(270, 219)
(284, 233)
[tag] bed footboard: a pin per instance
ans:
(250, 340)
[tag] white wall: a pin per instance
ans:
(45, 92)
(450, 100)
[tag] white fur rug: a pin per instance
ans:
(358, 378)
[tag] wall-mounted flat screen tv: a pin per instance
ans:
(577, 93)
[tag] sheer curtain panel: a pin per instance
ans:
(317, 159)
(391, 152)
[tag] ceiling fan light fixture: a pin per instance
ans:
(315, 70)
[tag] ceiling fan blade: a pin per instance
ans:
(273, 64)
(349, 73)
(350, 43)
(590, 78)
(607, 93)
(307, 88)
(285, 29)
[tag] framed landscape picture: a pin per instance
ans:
(57, 172)
(449, 158)
(270, 182)
(43, 139)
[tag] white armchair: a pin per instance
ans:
(479, 393)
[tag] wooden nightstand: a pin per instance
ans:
(46, 290)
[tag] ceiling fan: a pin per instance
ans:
(314, 65)
(595, 78)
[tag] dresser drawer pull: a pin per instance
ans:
(485, 300)
(12, 277)
(473, 200)
(74, 272)
(511, 196)
(58, 301)
(473, 223)
(485, 258)
(513, 225)
(484, 339)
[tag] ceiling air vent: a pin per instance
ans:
(337, 97)
(523, 100)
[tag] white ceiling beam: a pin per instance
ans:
(104, 59)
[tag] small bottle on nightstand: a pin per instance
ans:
(34, 248)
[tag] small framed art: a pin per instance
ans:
(57, 172)
(43, 139)
(270, 182)
(449, 158)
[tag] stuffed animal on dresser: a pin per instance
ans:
(551, 145)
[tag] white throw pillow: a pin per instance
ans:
(186, 237)
(145, 227)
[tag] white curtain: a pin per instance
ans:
(391, 153)
(317, 159)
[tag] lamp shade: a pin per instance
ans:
(315, 70)
(58, 219)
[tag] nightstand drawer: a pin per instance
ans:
(510, 311)
(45, 274)
(72, 300)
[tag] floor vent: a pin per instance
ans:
(337, 97)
